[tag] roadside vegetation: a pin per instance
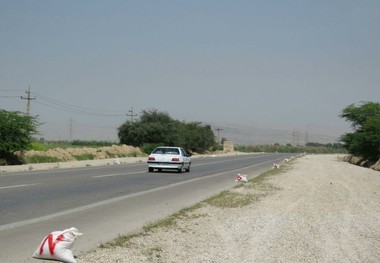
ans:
(255, 189)
(155, 128)
(82, 157)
(43, 145)
(41, 159)
(316, 148)
(364, 141)
(16, 134)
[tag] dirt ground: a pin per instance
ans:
(320, 210)
(69, 154)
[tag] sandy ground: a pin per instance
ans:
(320, 210)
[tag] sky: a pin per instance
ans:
(247, 67)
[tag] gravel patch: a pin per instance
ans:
(320, 210)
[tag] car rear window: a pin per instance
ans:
(173, 151)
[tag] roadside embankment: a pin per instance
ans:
(70, 164)
(362, 162)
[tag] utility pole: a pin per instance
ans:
(131, 114)
(218, 130)
(306, 137)
(71, 129)
(293, 136)
(28, 99)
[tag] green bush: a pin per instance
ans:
(149, 147)
(365, 121)
(92, 143)
(217, 147)
(83, 157)
(42, 159)
(37, 146)
(132, 154)
(309, 148)
(73, 144)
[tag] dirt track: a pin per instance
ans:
(324, 210)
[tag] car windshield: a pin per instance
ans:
(173, 151)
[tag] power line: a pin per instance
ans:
(10, 96)
(18, 90)
(63, 106)
(68, 105)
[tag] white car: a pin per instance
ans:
(172, 158)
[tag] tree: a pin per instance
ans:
(156, 128)
(16, 134)
(196, 136)
(153, 127)
(365, 140)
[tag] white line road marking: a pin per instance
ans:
(110, 175)
(141, 172)
(15, 186)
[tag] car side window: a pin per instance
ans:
(184, 153)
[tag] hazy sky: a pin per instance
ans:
(278, 64)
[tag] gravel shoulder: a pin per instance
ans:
(320, 210)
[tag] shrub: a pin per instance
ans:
(83, 157)
(42, 159)
(149, 147)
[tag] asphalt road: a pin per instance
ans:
(103, 202)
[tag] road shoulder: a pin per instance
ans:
(324, 210)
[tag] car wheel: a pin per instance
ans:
(188, 169)
(180, 169)
(150, 169)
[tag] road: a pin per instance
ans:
(103, 202)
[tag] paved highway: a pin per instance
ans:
(103, 202)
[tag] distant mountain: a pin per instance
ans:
(248, 135)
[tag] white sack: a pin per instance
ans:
(241, 178)
(57, 246)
